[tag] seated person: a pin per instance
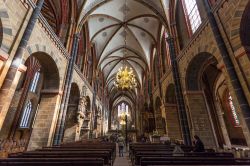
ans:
(198, 145)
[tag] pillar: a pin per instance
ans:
(65, 99)
(200, 118)
(178, 91)
(16, 68)
(222, 124)
(44, 122)
(172, 121)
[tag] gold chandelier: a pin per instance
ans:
(125, 79)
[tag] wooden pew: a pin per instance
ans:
(139, 155)
(105, 155)
(66, 154)
(155, 148)
(178, 160)
(87, 146)
(160, 154)
(51, 162)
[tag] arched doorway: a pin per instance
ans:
(207, 113)
(71, 115)
(172, 116)
(32, 109)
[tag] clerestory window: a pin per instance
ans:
(192, 15)
(233, 112)
(34, 82)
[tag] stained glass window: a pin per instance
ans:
(26, 115)
(35, 82)
(234, 115)
(122, 108)
(192, 13)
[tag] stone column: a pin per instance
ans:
(233, 77)
(172, 121)
(92, 112)
(65, 99)
(200, 118)
(178, 92)
(16, 68)
(163, 114)
(222, 124)
(43, 126)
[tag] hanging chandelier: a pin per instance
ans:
(125, 78)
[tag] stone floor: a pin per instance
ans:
(122, 161)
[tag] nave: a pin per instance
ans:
(167, 81)
(96, 153)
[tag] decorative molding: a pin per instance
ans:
(51, 91)
(240, 52)
(22, 68)
(220, 65)
(3, 56)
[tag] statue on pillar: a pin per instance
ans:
(81, 114)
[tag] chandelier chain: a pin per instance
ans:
(125, 78)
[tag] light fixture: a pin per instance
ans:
(125, 78)
(123, 118)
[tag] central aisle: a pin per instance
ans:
(121, 161)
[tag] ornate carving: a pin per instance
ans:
(81, 114)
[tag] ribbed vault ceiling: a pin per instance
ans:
(108, 26)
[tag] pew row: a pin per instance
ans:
(67, 154)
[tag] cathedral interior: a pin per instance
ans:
(74, 70)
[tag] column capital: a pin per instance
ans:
(220, 65)
(3, 55)
(51, 91)
(240, 52)
(76, 36)
(169, 38)
(22, 68)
